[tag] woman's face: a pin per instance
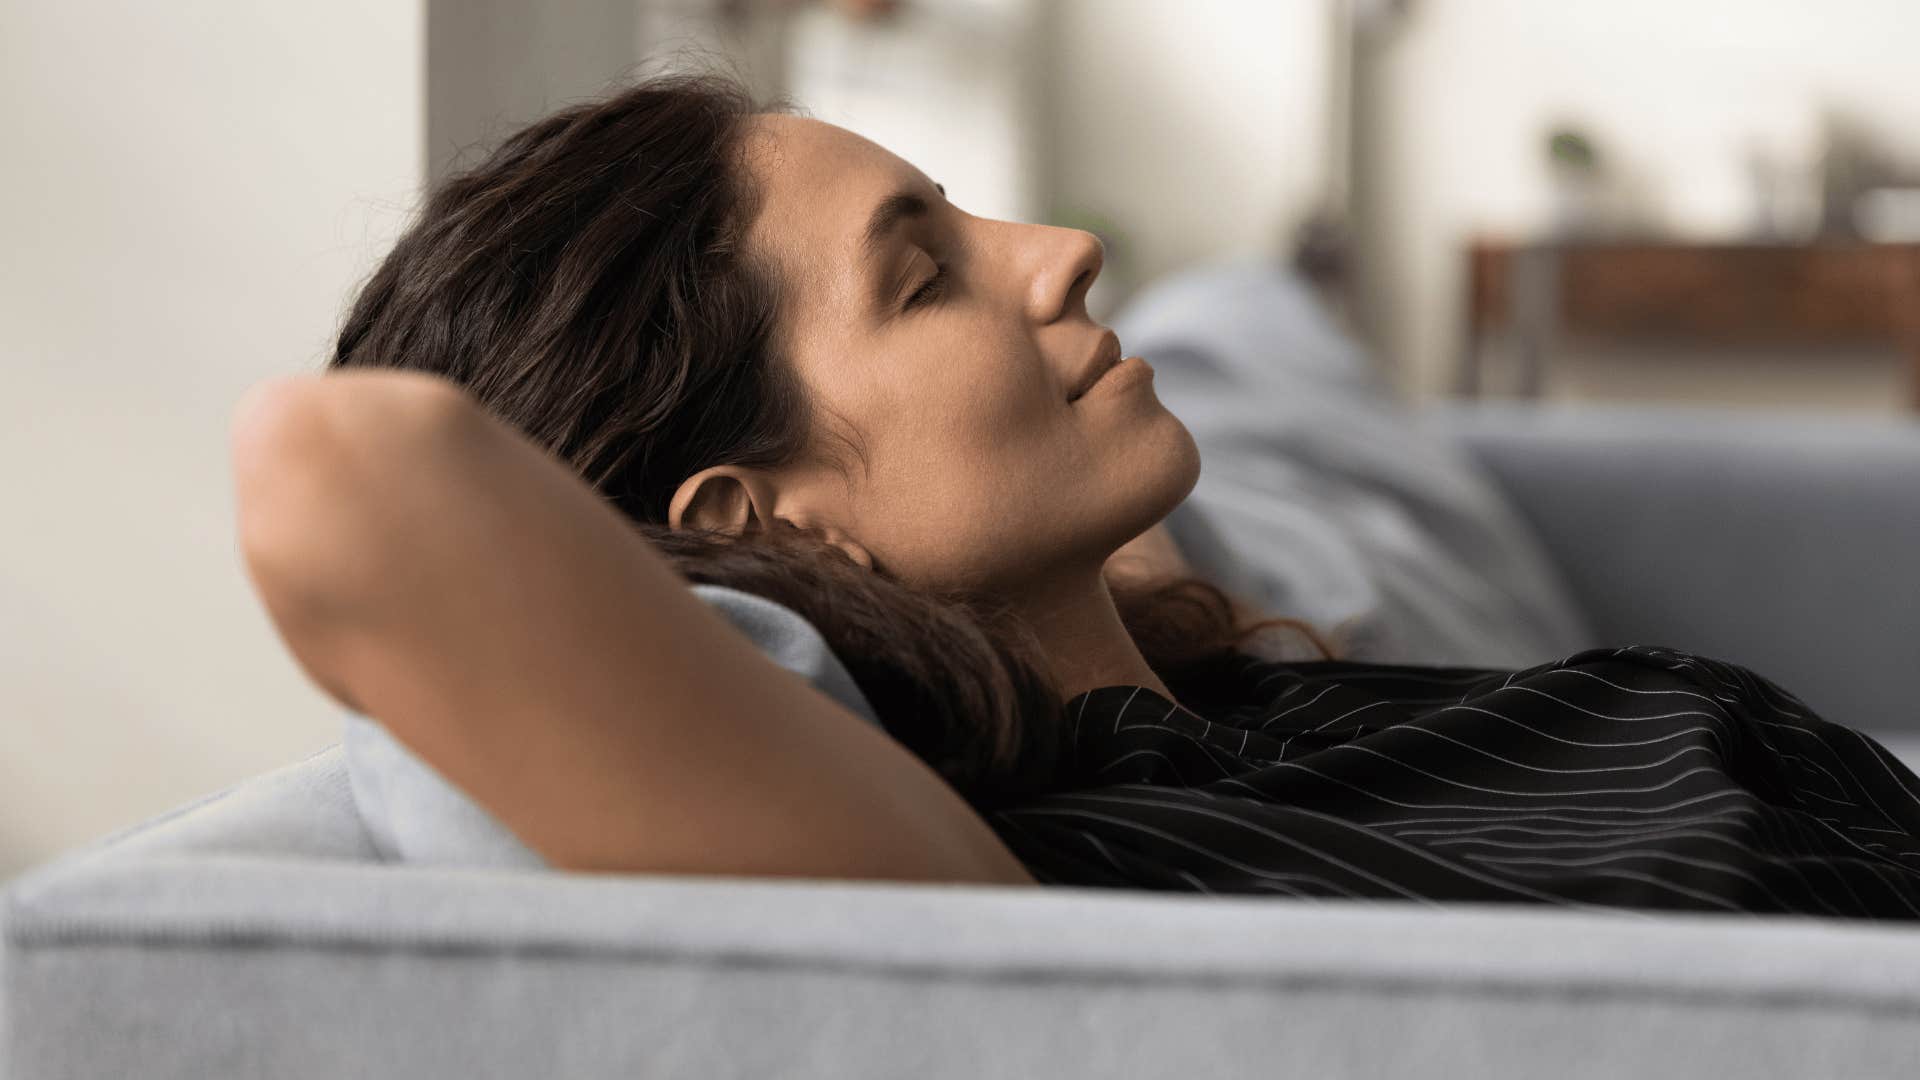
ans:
(945, 347)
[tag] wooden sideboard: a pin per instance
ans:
(1715, 295)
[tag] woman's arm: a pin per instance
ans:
(430, 567)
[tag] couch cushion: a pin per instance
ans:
(1778, 539)
(301, 810)
(1320, 497)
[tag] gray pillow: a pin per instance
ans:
(413, 814)
(1321, 497)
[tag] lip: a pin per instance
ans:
(1106, 356)
(1132, 371)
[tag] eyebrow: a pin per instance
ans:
(894, 209)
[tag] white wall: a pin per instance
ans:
(1194, 129)
(190, 191)
(948, 85)
(1675, 91)
(494, 66)
(1197, 125)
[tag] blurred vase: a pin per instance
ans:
(1578, 203)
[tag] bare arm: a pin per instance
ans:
(431, 568)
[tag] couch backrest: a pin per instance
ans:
(305, 809)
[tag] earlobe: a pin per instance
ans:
(853, 548)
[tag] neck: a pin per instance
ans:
(1086, 644)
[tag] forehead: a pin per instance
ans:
(817, 184)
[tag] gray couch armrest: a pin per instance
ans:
(218, 965)
(1787, 542)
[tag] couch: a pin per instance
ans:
(261, 931)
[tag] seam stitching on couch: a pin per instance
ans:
(1439, 986)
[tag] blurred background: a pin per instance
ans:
(1701, 200)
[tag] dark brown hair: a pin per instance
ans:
(587, 283)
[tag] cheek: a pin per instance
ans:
(982, 407)
(960, 457)
(967, 471)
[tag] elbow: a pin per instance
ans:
(308, 456)
(307, 452)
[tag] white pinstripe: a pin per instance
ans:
(1561, 772)
(1236, 781)
(1181, 841)
(1343, 823)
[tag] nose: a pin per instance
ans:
(1065, 264)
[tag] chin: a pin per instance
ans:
(1181, 470)
(1167, 473)
(1192, 456)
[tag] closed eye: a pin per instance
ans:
(929, 291)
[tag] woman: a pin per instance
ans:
(671, 337)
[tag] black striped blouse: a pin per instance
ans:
(1637, 777)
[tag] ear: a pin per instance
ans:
(726, 498)
(740, 501)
